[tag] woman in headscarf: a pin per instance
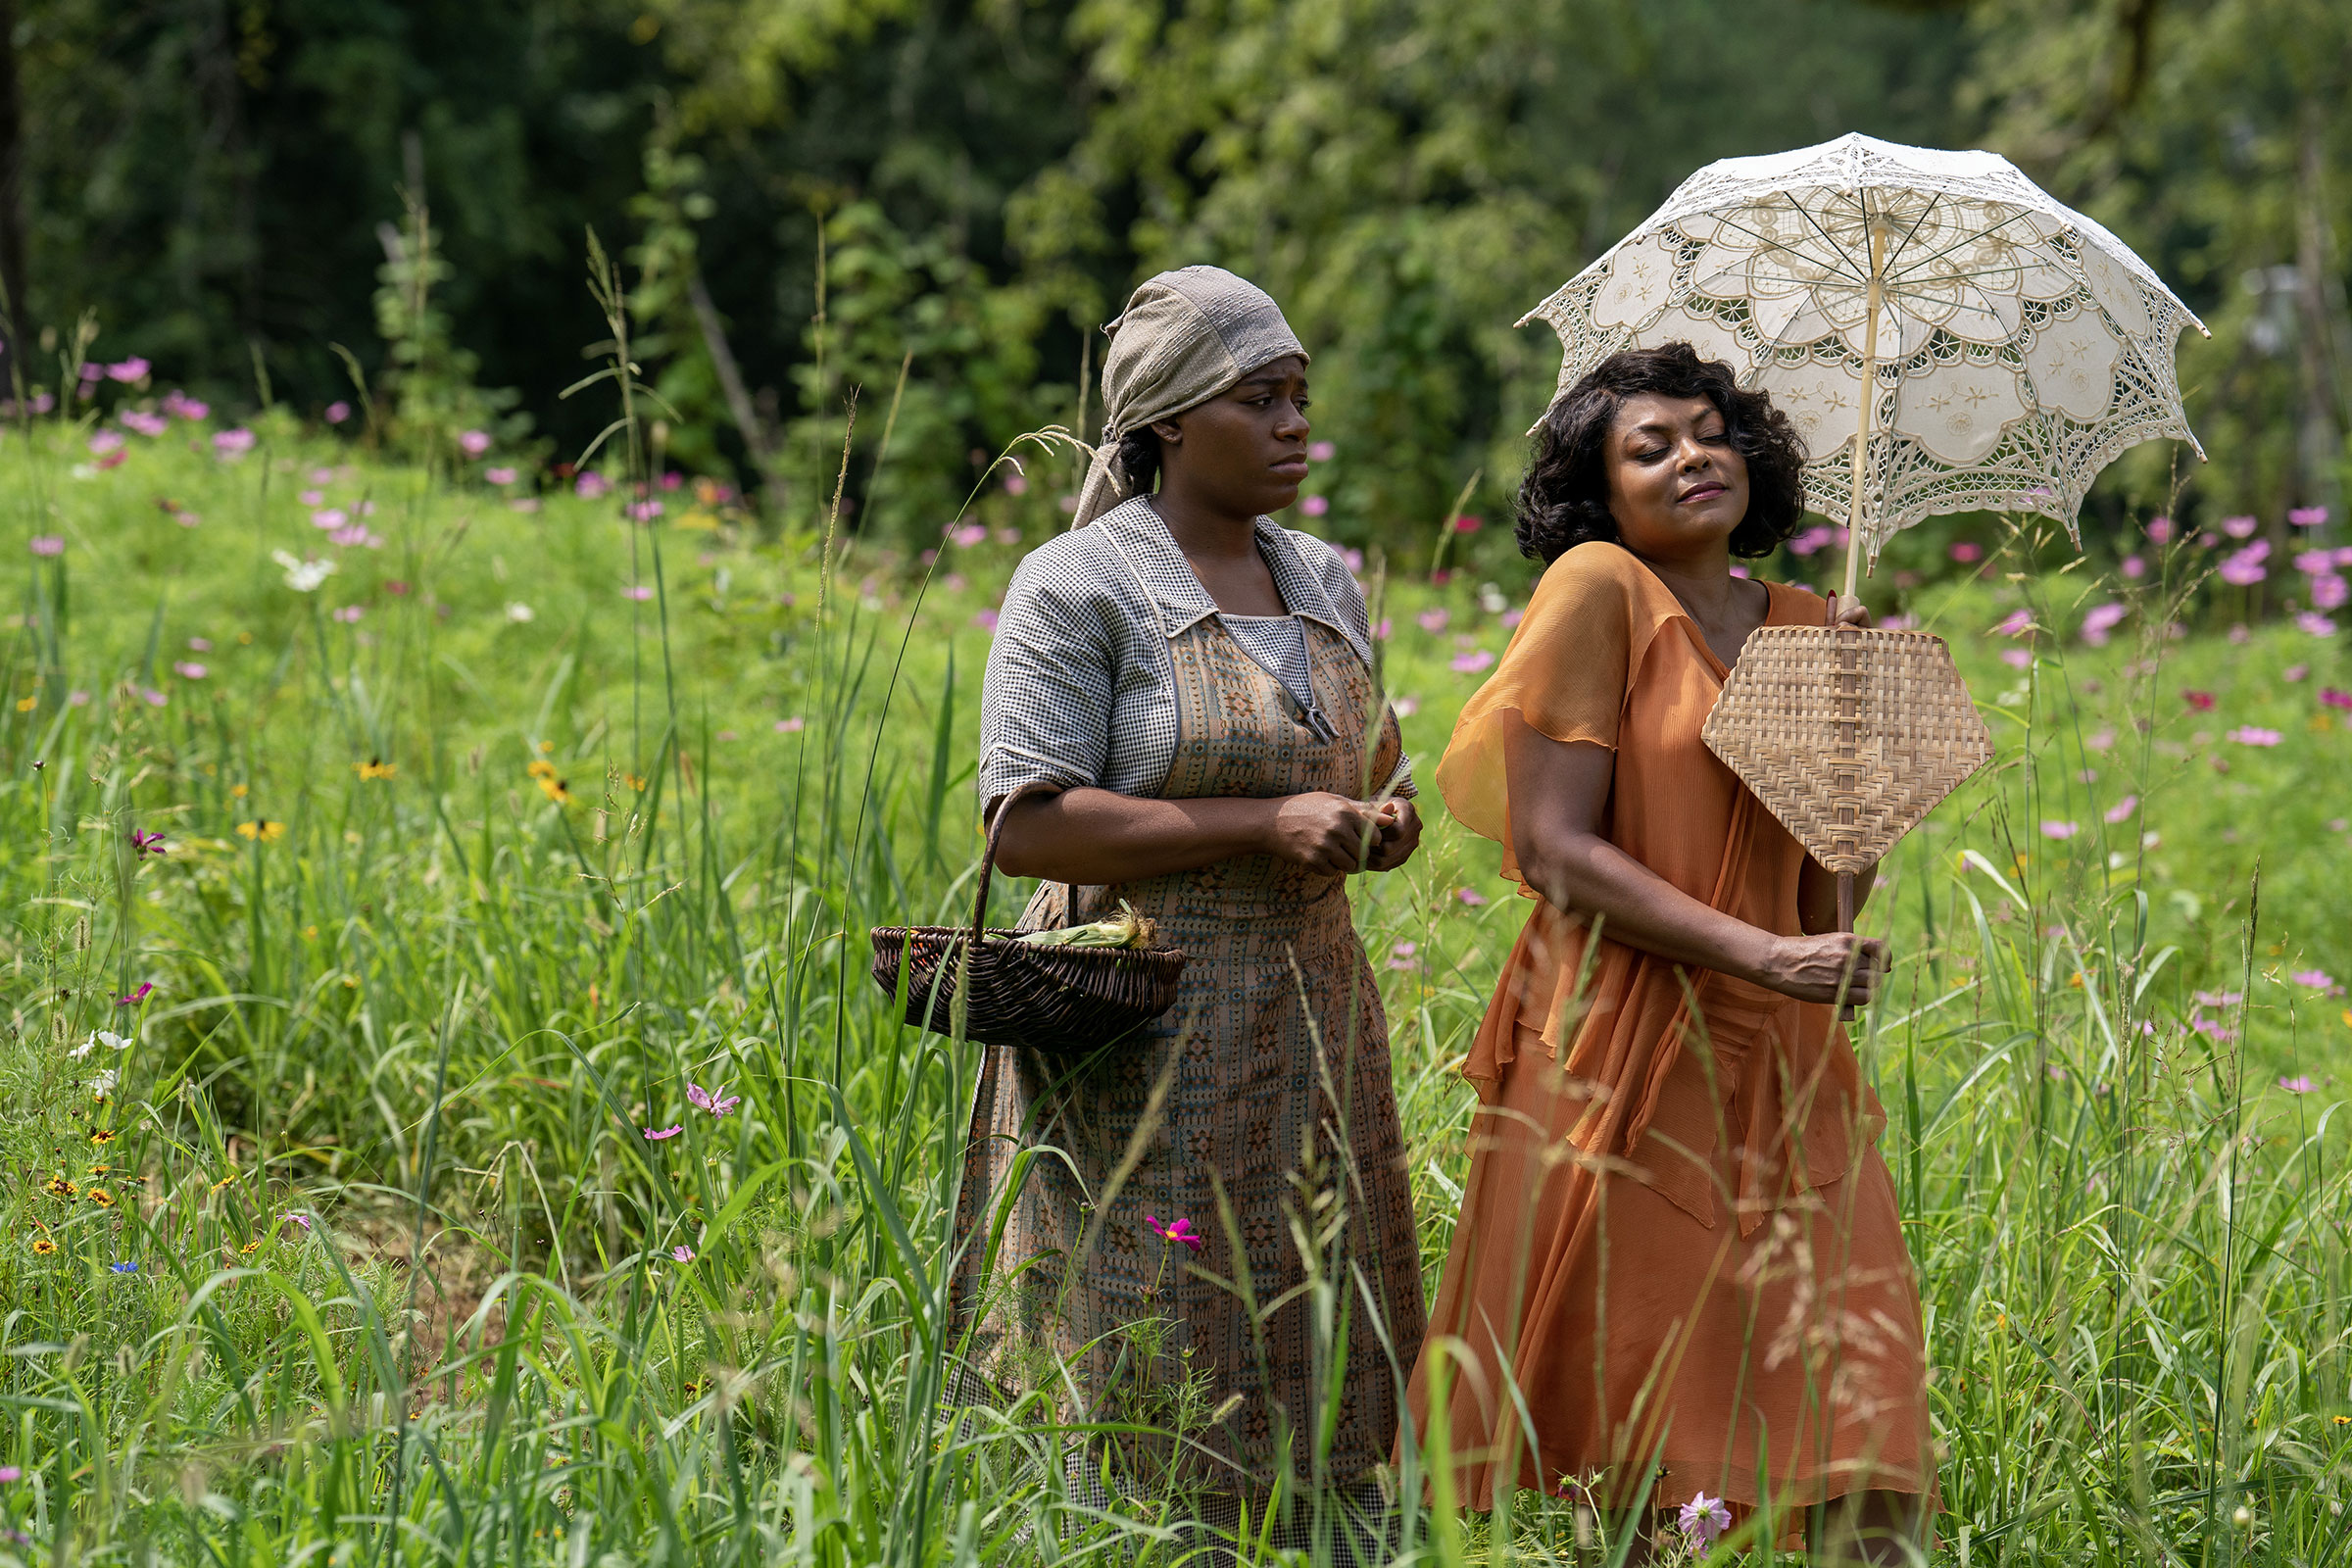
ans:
(1679, 1275)
(1181, 714)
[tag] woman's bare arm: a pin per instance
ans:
(1097, 836)
(1560, 791)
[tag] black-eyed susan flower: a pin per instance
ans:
(2344, 1420)
(250, 1247)
(104, 1136)
(226, 1181)
(239, 791)
(44, 1245)
(556, 790)
(539, 768)
(101, 1197)
(261, 830)
(59, 1187)
(376, 767)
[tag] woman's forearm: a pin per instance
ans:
(1585, 875)
(1096, 836)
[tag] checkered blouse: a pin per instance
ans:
(1081, 687)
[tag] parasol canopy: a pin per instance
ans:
(1944, 334)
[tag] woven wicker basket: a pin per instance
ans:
(1849, 736)
(1062, 1000)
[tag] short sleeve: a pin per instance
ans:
(1046, 699)
(1564, 674)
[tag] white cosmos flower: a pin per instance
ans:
(104, 1083)
(303, 576)
(518, 611)
(85, 1049)
(118, 1041)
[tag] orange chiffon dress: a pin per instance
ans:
(1679, 1246)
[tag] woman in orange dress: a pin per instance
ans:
(1679, 1275)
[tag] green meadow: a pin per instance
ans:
(364, 922)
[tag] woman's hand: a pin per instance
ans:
(1849, 611)
(1399, 835)
(1814, 969)
(1323, 832)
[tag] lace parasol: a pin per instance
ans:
(2010, 347)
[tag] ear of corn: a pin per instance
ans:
(1125, 929)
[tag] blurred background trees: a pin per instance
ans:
(817, 196)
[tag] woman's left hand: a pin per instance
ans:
(1399, 836)
(1849, 611)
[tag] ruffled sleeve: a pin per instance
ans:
(1566, 674)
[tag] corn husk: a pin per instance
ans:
(1125, 929)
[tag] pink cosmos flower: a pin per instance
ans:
(655, 1135)
(2316, 979)
(153, 698)
(104, 441)
(717, 1101)
(1809, 540)
(2122, 810)
(2016, 623)
(791, 726)
(474, 442)
(2315, 624)
(232, 444)
(985, 619)
(2306, 516)
(188, 670)
(2101, 739)
(683, 1254)
(1403, 956)
(1466, 524)
(1739, 572)
(2243, 568)
(329, 518)
(2240, 527)
(1514, 615)
(1385, 630)
(1315, 506)
(131, 998)
(10, 1474)
(2311, 563)
(2017, 657)
(2135, 567)
(2255, 735)
(1321, 451)
(1703, 1519)
(639, 591)
(501, 475)
(146, 844)
(591, 485)
(2059, 830)
(1176, 1230)
(337, 412)
(135, 369)
(1966, 553)
(2297, 1085)
(644, 511)
(1406, 707)
(302, 1221)
(2100, 622)
(2329, 591)
(1471, 662)
(1016, 483)
(967, 535)
(349, 614)
(47, 544)
(1433, 621)
(1354, 559)
(181, 407)
(146, 424)
(2202, 701)
(1470, 898)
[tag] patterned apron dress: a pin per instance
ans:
(1260, 1107)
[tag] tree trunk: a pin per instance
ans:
(15, 322)
(2320, 441)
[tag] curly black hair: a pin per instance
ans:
(1564, 499)
(1137, 459)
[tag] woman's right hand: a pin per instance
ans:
(1322, 831)
(1813, 969)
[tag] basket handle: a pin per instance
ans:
(988, 858)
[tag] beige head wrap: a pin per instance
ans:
(1185, 338)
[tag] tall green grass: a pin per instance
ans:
(454, 901)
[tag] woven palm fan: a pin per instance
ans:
(1946, 337)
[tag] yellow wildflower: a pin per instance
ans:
(226, 1181)
(555, 789)
(251, 1248)
(25, 704)
(59, 1187)
(103, 1135)
(377, 767)
(238, 790)
(101, 1197)
(541, 769)
(261, 830)
(44, 1245)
